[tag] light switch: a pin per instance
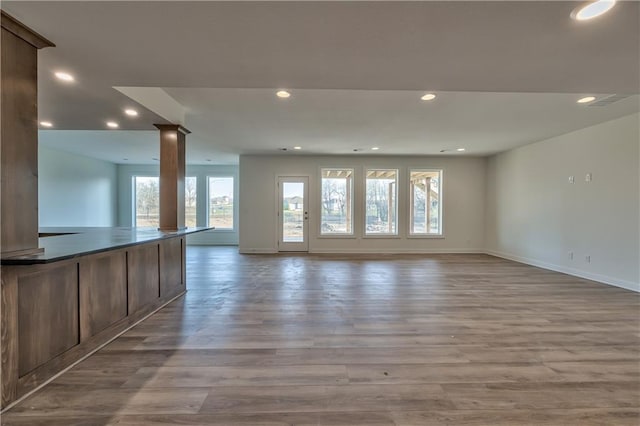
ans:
(572, 179)
(587, 177)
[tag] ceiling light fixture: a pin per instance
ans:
(298, 148)
(461, 149)
(592, 10)
(428, 97)
(46, 124)
(283, 94)
(64, 76)
(586, 99)
(131, 112)
(375, 148)
(112, 124)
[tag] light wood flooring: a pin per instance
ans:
(362, 340)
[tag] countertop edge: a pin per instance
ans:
(36, 260)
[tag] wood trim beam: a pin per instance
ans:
(17, 28)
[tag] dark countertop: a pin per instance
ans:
(67, 242)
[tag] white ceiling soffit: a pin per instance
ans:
(157, 100)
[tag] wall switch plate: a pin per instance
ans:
(570, 254)
(587, 177)
(572, 179)
(587, 259)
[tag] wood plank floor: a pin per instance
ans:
(363, 340)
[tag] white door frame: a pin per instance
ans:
(293, 246)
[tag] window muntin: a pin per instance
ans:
(336, 204)
(425, 191)
(381, 208)
(220, 210)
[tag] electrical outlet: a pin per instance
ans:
(572, 179)
(570, 254)
(587, 259)
(587, 177)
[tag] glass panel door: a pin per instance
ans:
(293, 214)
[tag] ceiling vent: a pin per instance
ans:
(608, 100)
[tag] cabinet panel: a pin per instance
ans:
(143, 276)
(103, 291)
(47, 315)
(171, 264)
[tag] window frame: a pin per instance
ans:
(134, 198)
(410, 233)
(396, 234)
(233, 210)
(353, 227)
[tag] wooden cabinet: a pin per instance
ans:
(55, 313)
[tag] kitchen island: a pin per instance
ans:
(87, 287)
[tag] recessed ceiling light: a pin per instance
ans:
(46, 124)
(283, 94)
(461, 149)
(131, 112)
(428, 97)
(64, 76)
(592, 10)
(586, 99)
(112, 124)
(297, 148)
(375, 148)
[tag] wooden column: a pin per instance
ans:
(172, 169)
(19, 137)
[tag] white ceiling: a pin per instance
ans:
(507, 73)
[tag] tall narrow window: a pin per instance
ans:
(337, 202)
(426, 207)
(147, 201)
(381, 202)
(221, 202)
(190, 201)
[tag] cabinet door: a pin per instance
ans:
(143, 276)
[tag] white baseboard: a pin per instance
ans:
(397, 251)
(628, 285)
(257, 251)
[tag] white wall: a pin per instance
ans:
(74, 190)
(215, 237)
(463, 209)
(535, 216)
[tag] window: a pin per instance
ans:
(426, 209)
(190, 201)
(337, 202)
(147, 201)
(221, 202)
(381, 202)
